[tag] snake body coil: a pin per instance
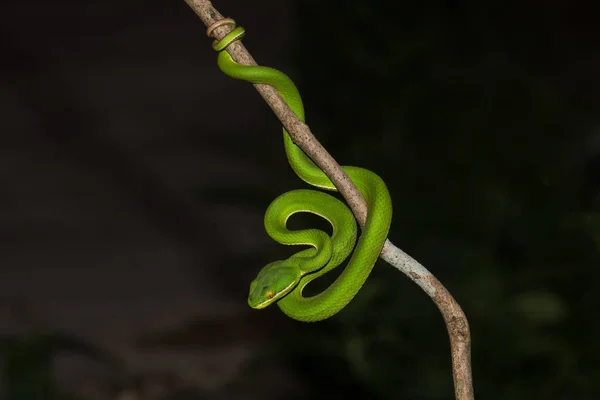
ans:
(283, 281)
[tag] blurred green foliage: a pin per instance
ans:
(463, 108)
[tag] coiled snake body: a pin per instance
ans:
(283, 281)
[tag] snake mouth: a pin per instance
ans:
(262, 304)
(259, 306)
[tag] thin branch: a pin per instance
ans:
(454, 317)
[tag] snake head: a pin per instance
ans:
(273, 282)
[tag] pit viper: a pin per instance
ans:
(283, 281)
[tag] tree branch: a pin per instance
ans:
(455, 319)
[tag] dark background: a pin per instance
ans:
(135, 174)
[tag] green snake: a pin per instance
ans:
(283, 281)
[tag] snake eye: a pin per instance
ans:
(270, 295)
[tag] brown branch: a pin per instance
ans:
(454, 317)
